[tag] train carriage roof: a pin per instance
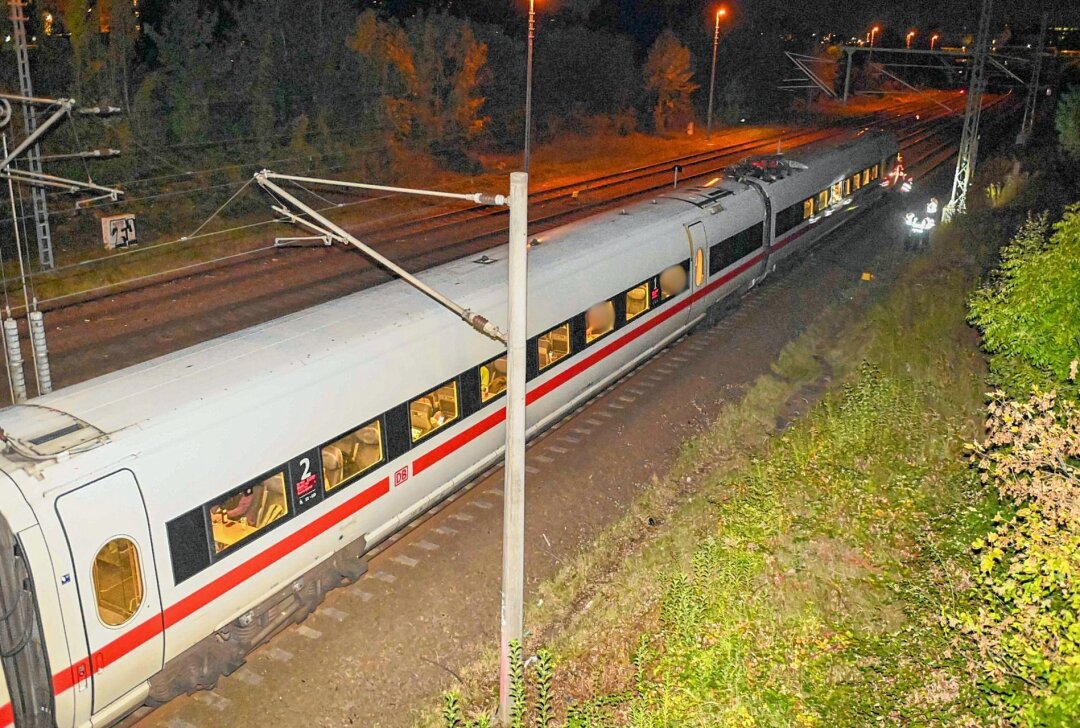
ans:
(286, 351)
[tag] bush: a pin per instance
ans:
(1029, 310)
(1025, 617)
(1067, 121)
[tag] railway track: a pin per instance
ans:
(105, 334)
(653, 176)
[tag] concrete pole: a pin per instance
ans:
(513, 576)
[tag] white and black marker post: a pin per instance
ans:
(513, 577)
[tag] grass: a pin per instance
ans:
(798, 578)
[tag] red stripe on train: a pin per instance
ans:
(7, 716)
(125, 643)
(131, 640)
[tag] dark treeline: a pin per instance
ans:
(210, 91)
(320, 74)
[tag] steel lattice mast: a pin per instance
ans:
(33, 154)
(969, 141)
(1033, 86)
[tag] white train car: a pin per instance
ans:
(158, 523)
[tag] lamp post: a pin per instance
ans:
(873, 34)
(528, 83)
(910, 37)
(712, 82)
(933, 40)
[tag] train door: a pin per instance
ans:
(699, 265)
(108, 533)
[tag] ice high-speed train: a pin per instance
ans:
(159, 522)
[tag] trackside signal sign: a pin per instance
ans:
(118, 231)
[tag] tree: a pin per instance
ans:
(1067, 121)
(189, 65)
(430, 70)
(668, 76)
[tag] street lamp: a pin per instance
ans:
(933, 40)
(528, 82)
(712, 83)
(873, 34)
(910, 36)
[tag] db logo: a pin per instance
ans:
(401, 476)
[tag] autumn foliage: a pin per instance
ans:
(1024, 615)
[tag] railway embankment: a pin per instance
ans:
(835, 549)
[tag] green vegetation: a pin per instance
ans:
(1023, 617)
(1029, 310)
(668, 72)
(1067, 121)
(855, 569)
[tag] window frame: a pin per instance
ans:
(383, 459)
(664, 298)
(137, 573)
(648, 285)
(457, 418)
(479, 384)
(215, 555)
(570, 338)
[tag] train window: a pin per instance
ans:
(637, 301)
(877, 170)
(599, 320)
(866, 176)
(847, 187)
(857, 179)
(188, 547)
(433, 411)
(492, 379)
(351, 455)
(808, 209)
(836, 193)
(118, 584)
(699, 267)
(822, 200)
(672, 281)
(246, 511)
(553, 346)
(735, 248)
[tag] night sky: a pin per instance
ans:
(642, 17)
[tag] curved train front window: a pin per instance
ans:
(244, 512)
(672, 281)
(352, 455)
(118, 584)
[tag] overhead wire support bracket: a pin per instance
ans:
(321, 225)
